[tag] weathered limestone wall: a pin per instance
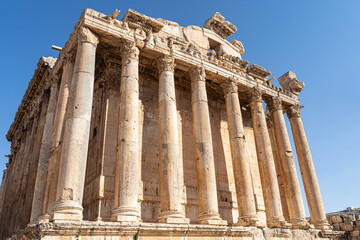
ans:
(348, 221)
(99, 183)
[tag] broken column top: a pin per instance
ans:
(218, 24)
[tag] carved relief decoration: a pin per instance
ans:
(129, 51)
(197, 73)
(166, 63)
(229, 86)
(86, 35)
(256, 95)
(293, 111)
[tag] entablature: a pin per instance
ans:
(219, 64)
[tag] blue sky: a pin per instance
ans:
(318, 40)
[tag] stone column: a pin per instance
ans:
(239, 155)
(56, 136)
(279, 170)
(290, 179)
(169, 165)
(69, 196)
(127, 161)
(311, 185)
(39, 190)
(205, 166)
(274, 215)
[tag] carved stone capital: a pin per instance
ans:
(86, 35)
(274, 104)
(166, 63)
(256, 95)
(197, 73)
(229, 86)
(129, 51)
(293, 111)
(69, 57)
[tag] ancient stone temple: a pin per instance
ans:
(143, 128)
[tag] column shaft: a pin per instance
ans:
(274, 215)
(169, 165)
(69, 196)
(205, 166)
(40, 182)
(241, 168)
(127, 162)
(311, 185)
(56, 136)
(291, 182)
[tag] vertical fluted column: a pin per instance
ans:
(41, 174)
(279, 170)
(169, 165)
(58, 128)
(311, 185)
(269, 184)
(205, 166)
(69, 196)
(239, 155)
(290, 179)
(127, 161)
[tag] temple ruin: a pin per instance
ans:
(144, 128)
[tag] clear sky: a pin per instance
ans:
(318, 40)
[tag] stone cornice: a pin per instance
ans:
(258, 72)
(36, 84)
(138, 20)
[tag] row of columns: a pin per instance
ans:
(73, 111)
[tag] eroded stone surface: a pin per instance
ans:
(157, 129)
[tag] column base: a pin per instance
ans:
(301, 224)
(126, 215)
(277, 222)
(211, 219)
(44, 218)
(173, 217)
(66, 211)
(323, 225)
(248, 221)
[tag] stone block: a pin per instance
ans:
(336, 219)
(346, 226)
(355, 233)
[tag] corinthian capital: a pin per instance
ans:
(86, 35)
(229, 86)
(256, 95)
(274, 104)
(293, 111)
(129, 51)
(166, 63)
(197, 73)
(69, 57)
